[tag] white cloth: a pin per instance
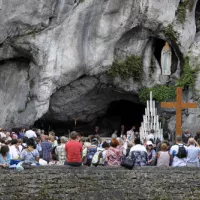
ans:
(125, 145)
(42, 162)
(14, 153)
(177, 162)
(2, 135)
(30, 134)
(138, 147)
(104, 157)
(150, 136)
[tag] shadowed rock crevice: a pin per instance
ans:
(197, 16)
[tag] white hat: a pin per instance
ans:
(149, 143)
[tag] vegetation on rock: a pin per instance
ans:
(170, 33)
(182, 10)
(188, 78)
(130, 67)
(159, 92)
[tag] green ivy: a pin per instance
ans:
(165, 93)
(182, 10)
(130, 67)
(159, 93)
(170, 33)
(188, 78)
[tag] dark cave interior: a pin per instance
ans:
(121, 112)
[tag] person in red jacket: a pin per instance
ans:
(73, 150)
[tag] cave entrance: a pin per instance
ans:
(121, 112)
(197, 16)
(157, 49)
(117, 113)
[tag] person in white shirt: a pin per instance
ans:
(14, 150)
(151, 136)
(30, 134)
(178, 161)
(2, 134)
(193, 153)
(130, 133)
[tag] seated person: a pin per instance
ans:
(138, 154)
(30, 155)
(4, 156)
(73, 150)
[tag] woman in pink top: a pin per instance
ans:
(113, 155)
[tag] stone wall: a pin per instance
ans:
(100, 183)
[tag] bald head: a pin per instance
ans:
(191, 141)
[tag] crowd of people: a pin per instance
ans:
(24, 148)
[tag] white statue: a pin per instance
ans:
(166, 59)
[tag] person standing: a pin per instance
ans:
(73, 150)
(52, 137)
(192, 153)
(46, 149)
(30, 133)
(185, 137)
(60, 151)
(178, 153)
(130, 133)
(151, 136)
(166, 141)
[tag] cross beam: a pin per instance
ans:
(178, 105)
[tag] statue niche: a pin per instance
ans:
(166, 60)
(158, 46)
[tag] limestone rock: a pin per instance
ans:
(63, 41)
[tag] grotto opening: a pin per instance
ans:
(117, 113)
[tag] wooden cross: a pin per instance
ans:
(178, 105)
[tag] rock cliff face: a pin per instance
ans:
(55, 55)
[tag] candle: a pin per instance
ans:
(148, 108)
(151, 104)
